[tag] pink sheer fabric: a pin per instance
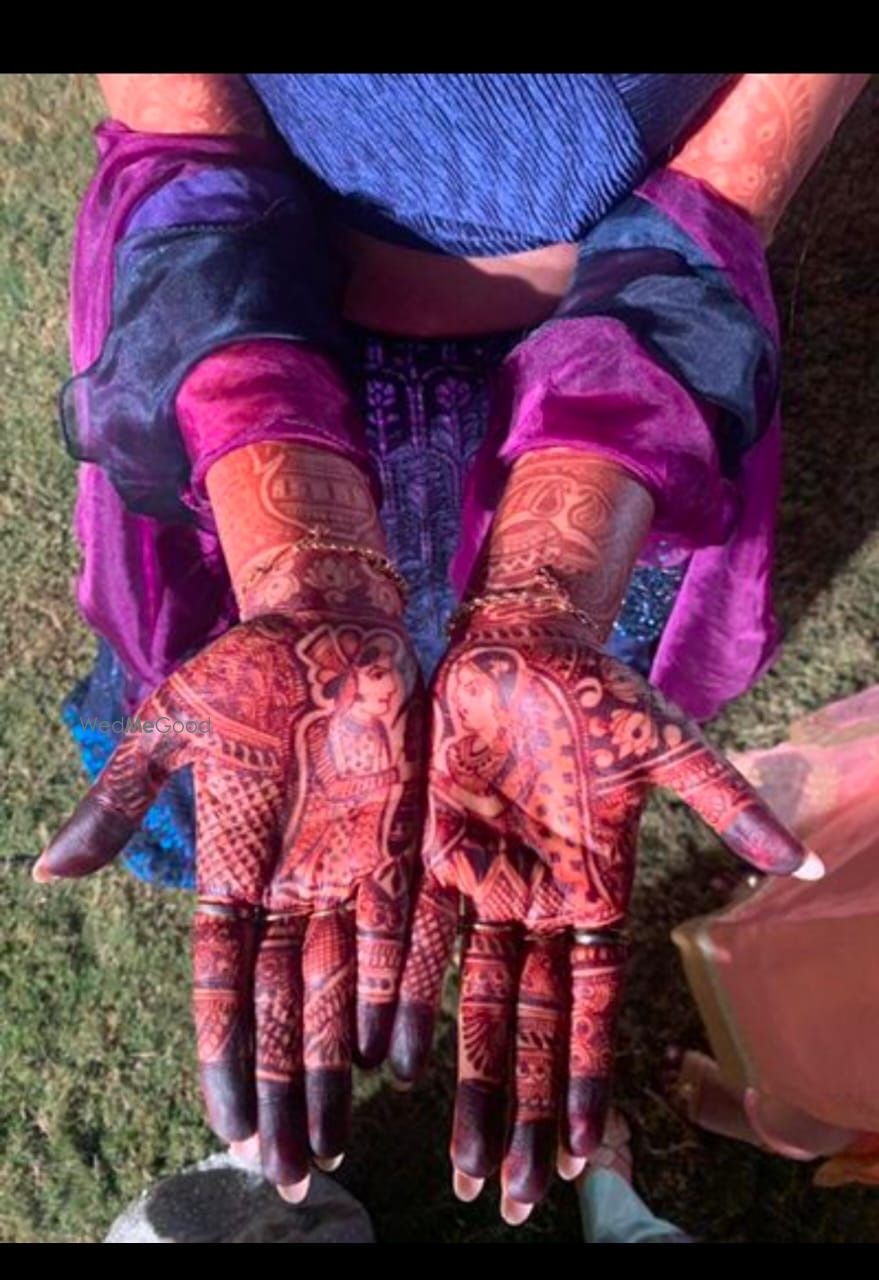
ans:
(788, 979)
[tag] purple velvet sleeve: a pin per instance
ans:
(156, 592)
(263, 390)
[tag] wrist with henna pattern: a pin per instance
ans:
(301, 534)
(580, 517)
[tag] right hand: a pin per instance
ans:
(544, 750)
(307, 789)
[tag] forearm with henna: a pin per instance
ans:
(184, 102)
(762, 140)
(280, 510)
(580, 516)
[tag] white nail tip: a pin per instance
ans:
(296, 1192)
(812, 869)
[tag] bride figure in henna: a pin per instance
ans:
(516, 754)
(346, 762)
(484, 746)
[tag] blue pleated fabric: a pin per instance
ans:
(480, 163)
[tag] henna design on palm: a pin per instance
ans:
(308, 814)
(544, 750)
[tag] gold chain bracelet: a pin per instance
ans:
(550, 593)
(316, 540)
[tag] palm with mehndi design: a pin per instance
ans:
(543, 752)
(307, 822)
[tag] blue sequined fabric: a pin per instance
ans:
(425, 404)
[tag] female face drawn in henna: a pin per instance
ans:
(498, 726)
(367, 698)
(374, 686)
(349, 762)
(482, 691)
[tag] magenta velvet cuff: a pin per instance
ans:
(266, 390)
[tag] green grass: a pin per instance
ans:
(98, 1095)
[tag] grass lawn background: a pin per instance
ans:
(98, 1091)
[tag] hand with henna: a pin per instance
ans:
(303, 729)
(543, 753)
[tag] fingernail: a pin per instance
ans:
(296, 1192)
(247, 1149)
(329, 1165)
(465, 1187)
(569, 1166)
(812, 868)
(40, 871)
(513, 1212)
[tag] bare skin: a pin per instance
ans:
(427, 295)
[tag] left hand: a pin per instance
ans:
(543, 752)
(303, 731)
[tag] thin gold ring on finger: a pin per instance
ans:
(295, 913)
(600, 937)
(332, 911)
